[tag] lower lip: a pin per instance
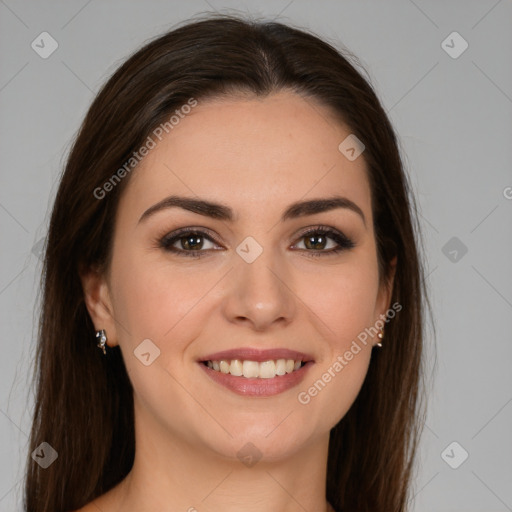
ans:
(258, 387)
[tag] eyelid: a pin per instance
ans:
(193, 229)
(322, 228)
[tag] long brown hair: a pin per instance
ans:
(84, 403)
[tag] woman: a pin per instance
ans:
(233, 299)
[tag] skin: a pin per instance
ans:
(257, 155)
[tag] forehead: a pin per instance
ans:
(255, 153)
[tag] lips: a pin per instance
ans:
(249, 358)
(254, 354)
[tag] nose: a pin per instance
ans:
(260, 293)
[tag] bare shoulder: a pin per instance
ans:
(108, 502)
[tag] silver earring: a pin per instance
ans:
(380, 335)
(101, 336)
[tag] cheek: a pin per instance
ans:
(157, 300)
(343, 300)
(344, 304)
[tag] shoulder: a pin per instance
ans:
(108, 502)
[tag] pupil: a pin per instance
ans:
(315, 237)
(192, 241)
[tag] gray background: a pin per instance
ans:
(454, 119)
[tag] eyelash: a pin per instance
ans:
(168, 240)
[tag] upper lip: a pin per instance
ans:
(255, 354)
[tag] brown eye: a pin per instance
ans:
(187, 242)
(192, 242)
(317, 243)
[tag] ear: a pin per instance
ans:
(98, 302)
(386, 291)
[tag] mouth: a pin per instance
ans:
(254, 372)
(254, 369)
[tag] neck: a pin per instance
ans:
(171, 474)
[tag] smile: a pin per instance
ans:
(255, 372)
(254, 369)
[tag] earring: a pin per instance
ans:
(101, 336)
(380, 335)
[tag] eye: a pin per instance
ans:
(192, 242)
(316, 240)
(187, 242)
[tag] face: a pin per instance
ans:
(246, 283)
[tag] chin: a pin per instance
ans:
(265, 441)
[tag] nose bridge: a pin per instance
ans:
(259, 292)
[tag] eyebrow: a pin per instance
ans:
(224, 212)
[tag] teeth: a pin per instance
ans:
(224, 366)
(281, 366)
(254, 369)
(236, 368)
(267, 370)
(250, 369)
